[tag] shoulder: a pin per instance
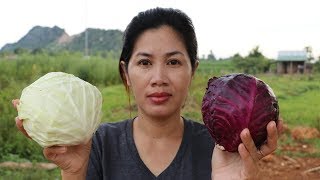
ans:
(110, 132)
(105, 146)
(113, 127)
(197, 128)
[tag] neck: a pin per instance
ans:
(159, 128)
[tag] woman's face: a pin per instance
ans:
(159, 72)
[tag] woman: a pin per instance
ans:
(157, 63)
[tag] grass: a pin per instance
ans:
(298, 96)
(116, 104)
(29, 174)
(311, 149)
(306, 107)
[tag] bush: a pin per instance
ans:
(18, 72)
(252, 65)
(11, 140)
(317, 67)
(27, 68)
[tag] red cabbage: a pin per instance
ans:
(234, 102)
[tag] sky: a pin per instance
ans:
(225, 27)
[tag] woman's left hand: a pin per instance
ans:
(243, 165)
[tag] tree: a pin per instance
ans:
(308, 50)
(237, 55)
(211, 56)
(37, 51)
(254, 63)
(255, 52)
(19, 51)
(317, 66)
(203, 57)
(4, 53)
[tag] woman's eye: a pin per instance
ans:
(174, 62)
(144, 62)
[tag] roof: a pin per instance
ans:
(292, 56)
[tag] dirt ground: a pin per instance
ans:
(286, 168)
(293, 168)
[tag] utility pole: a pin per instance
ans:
(86, 47)
(86, 50)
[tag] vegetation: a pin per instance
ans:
(298, 97)
(98, 40)
(15, 74)
(254, 63)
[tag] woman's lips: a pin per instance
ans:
(159, 97)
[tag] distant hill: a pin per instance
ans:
(98, 40)
(37, 37)
(55, 39)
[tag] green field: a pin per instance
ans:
(298, 95)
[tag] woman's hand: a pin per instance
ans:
(243, 165)
(19, 123)
(72, 160)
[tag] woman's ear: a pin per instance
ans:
(124, 69)
(195, 67)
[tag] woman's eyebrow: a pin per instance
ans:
(174, 53)
(168, 54)
(143, 54)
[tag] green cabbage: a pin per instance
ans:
(60, 109)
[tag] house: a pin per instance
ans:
(290, 62)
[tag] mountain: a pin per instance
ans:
(55, 39)
(37, 37)
(98, 40)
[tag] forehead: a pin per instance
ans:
(163, 38)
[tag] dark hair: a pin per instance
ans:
(154, 18)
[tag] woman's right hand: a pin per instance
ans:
(72, 160)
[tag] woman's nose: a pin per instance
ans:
(159, 76)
